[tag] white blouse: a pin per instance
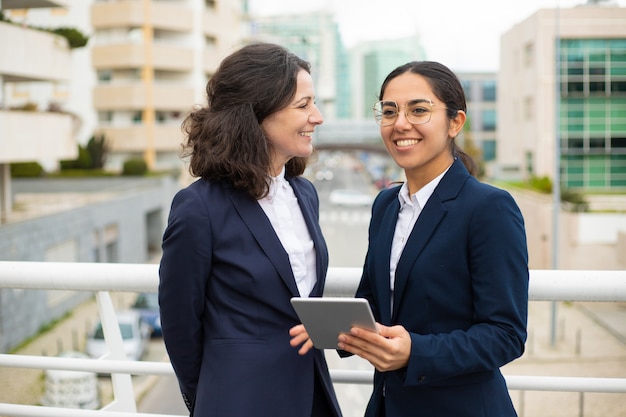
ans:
(282, 209)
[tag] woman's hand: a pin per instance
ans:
(299, 336)
(387, 350)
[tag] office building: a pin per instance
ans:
(582, 50)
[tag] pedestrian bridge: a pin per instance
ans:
(545, 285)
(349, 134)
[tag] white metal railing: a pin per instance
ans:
(545, 285)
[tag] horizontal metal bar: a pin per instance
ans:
(18, 410)
(545, 285)
(110, 366)
(340, 376)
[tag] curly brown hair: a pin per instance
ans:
(225, 141)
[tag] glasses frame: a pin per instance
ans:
(378, 112)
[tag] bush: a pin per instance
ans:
(82, 162)
(543, 184)
(75, 38)
(27, 169)
(135, 167)
(97, 149)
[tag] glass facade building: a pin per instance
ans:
(593, 113)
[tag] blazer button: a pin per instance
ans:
(421, 378)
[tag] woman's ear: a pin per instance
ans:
(456, 124)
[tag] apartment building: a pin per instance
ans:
(480, 94)
(152, 60)
(31, 131)
(582, 50)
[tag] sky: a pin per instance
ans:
(462, 34)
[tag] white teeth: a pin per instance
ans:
(407, 142)
(306, 133)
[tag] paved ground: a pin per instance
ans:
(590, 342)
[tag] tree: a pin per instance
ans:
(98, 150)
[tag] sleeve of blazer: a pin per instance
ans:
(498, 272)
(184, 268)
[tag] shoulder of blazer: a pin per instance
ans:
(458, 183)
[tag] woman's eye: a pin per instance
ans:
(419, 110)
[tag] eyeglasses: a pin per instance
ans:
(417, 111)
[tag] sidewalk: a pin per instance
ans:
(589, 343)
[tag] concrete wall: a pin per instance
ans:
(125, 228)
(587, 241)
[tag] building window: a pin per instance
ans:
(105, 76)
(489, 90)
(489, 120)
(529, 51)
(489, 150)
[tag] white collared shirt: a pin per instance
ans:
(282, 209)
(410, 209)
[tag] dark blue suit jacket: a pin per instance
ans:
(461, 290)
(225, 286)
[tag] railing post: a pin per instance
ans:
(123, 391)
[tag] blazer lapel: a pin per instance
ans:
(259, 225)
(383, 258)
(312, 223)
(432, 214)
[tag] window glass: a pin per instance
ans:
(489, 90)
(489, 120)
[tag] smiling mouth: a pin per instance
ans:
(401, 143)
(308, 134)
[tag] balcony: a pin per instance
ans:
(134, 96)
(591, 286)
(133, 55)
(161, 15)
(36, 136)
(52, 62)
(167, 137)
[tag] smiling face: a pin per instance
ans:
(422, 150)
(289, 131)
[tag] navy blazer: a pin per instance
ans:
(224, 291)
(461, 291)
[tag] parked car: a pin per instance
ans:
(147, 304)
(349, 197)
(135, 336)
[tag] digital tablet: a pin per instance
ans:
(326, 317)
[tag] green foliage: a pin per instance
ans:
(75, 38)
(577, 200)
(135, 167)
(98, 149)
(541, 184)
(92, 156)
(27, 169)
(82, 162)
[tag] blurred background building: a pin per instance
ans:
(588, 43)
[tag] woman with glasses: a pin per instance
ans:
(244, 239)
(446, 271)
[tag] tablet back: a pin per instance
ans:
(326, 317)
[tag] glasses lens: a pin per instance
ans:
(418, 113)
(385, 112)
